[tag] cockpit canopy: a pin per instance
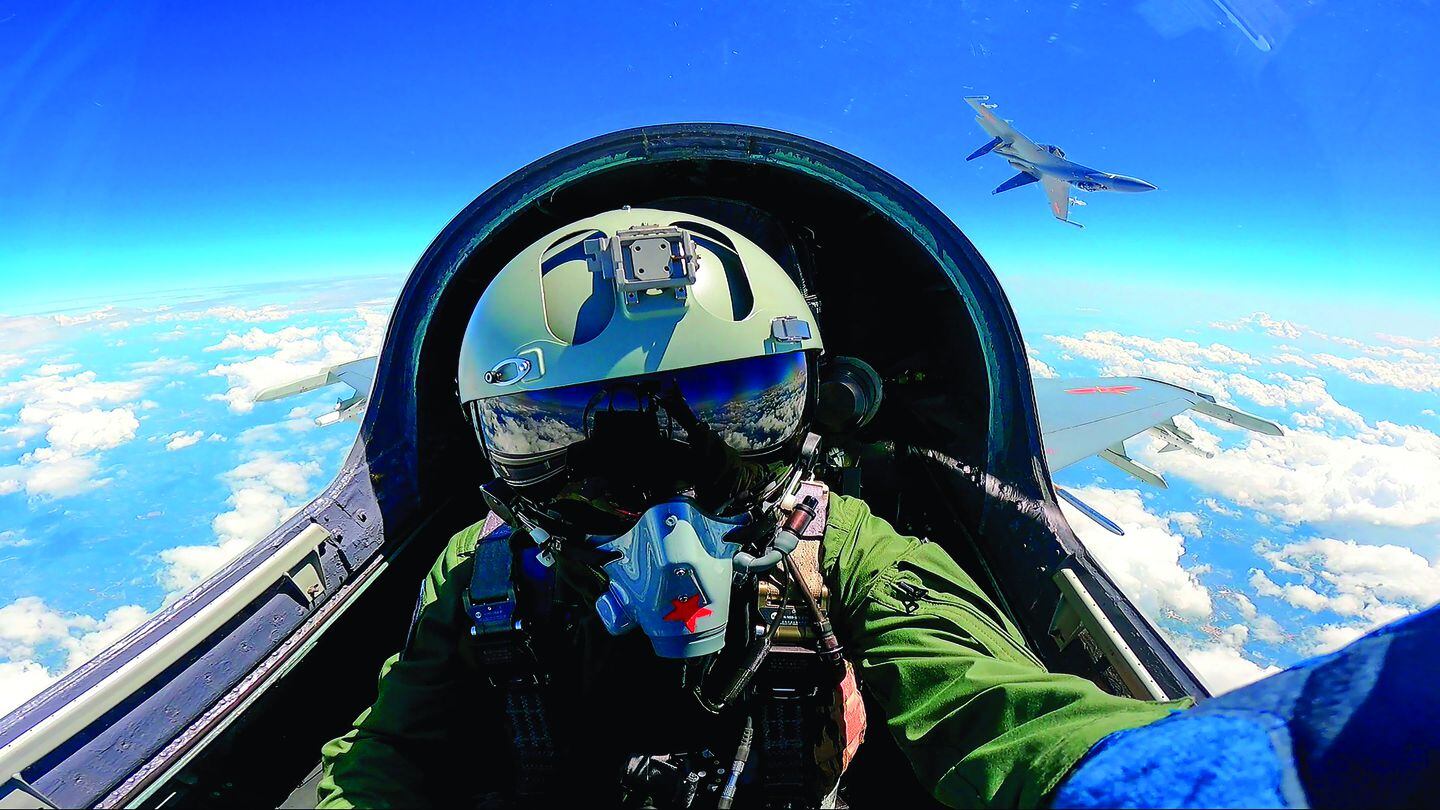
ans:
(892, 282)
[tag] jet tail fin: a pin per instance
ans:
(1021, 179)
(985, 150)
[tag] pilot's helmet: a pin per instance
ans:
(636, 356)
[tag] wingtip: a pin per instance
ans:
(270, 394)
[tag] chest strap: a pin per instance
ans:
(810, 726)
(503, 644)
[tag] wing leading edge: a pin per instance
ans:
(995, 126)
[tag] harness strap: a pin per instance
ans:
(503, 645)
(492, 591)
(809, 733)
(807, 554)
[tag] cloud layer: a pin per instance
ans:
(78, 415)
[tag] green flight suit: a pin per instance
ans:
(980, 720)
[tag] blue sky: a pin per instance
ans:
(197, 202)
(150, 146)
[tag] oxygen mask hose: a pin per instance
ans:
(755, 656)
(826, 644)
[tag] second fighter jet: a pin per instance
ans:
(1044, 164)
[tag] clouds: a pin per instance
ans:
(31, 630)
(79, 432)
(14, 539)
(1412, 372)
(93, 406)
(1147, 564)
(180, 440)
(1114, 347)
(264, 491)
(1374, 584)
(20, 332)
(79, 415)
(1262, 321)
(292, 352)
(1222, 665)
(1038, 367)
(228, 312)
(48, 474)
(290, 343)
(1410, 364)
(1385, 476)
(20, 681)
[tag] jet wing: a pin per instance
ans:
(1087, 417)
(995, 126)
(1059, 193)
(359, 375)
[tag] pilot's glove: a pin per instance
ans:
(1357, 727)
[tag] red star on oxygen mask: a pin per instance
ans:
(687, 609)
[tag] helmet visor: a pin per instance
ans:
(754, 405)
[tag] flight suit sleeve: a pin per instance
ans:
(981, 721)
(382, 761)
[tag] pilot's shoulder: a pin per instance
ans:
(850, 525)
(844, 514)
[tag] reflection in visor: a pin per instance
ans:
(754, 405)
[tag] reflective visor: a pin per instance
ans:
(754, 405)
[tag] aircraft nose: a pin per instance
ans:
(1133, 184)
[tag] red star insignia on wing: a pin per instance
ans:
(1104, 389)
(687, 609)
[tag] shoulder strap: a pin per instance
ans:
(807, 555)
(491, 596)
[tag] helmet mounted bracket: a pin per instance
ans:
(645, 261)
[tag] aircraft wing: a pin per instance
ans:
(359, 375)
(1059, 193)
(994, 125)
(1087, 417)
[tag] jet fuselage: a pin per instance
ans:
(1040, 162)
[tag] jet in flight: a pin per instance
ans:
(1043, 164)
(224, 697)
